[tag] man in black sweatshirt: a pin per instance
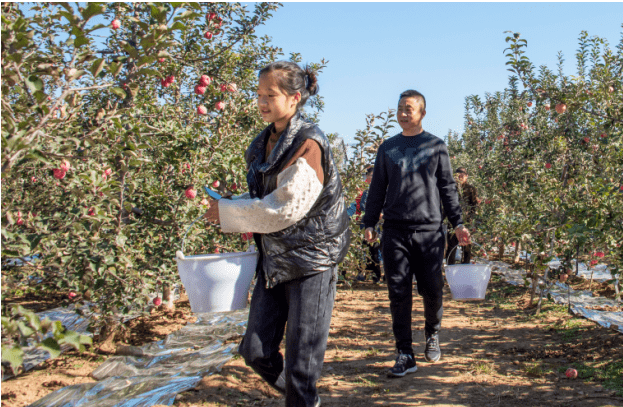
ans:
(412, 179)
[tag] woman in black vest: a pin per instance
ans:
(295, 209)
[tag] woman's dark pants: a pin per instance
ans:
(306, 305)
(413, 253)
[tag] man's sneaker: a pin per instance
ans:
(432, 353)
(404, 364)
(317, 403)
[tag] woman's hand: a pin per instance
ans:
(212, 215)
(370, 235)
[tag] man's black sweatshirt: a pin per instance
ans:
(412, 178)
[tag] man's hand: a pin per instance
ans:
(462, 234)
(370, 235)
(212, 215)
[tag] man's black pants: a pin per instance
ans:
(373, 263)
(306, 305)
(408, 253)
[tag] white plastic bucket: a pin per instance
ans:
(468, 281)
(217, 282)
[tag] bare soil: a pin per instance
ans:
(496, 352)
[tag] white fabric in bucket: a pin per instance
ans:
(468, 281)
(217, 282)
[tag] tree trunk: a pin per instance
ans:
(517, 250)
(535, 280)
(167, 300)
(107, 336)
(501, 247)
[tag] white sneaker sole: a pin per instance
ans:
(432, 360)
(410, 370)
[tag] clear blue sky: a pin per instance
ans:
(447, 51)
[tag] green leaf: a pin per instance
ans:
(119, 92)
(97, 66)
(159, 13)
(36, 155)
(14, 356)
(146, 60)
(117, 67)
(34, 83)
(73, 339)
(52, 346)
(92, 10)
(149, 72)
(178, 25)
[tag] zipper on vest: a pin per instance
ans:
(269, 282)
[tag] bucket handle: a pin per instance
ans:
(455, 247)
(185, 233)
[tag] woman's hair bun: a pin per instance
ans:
(311, 81)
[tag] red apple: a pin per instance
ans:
(603, 135)
(529, 104)
(561, 108)
(204, 80)
(116, 24)
(571, 373)
(208, 35)
(190, 193)
(220, 105)
(72, 295)
(59, 173)
(548, 166)
(202, 110)
(563, 277)
(216, 184)
(546, 106)
(157, 301)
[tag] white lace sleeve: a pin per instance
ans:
(298, 188)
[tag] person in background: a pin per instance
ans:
(468, 197)
(373, 262)
(296, 209)
(412, 180)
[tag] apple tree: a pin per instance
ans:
(115, 116)
(547, 156)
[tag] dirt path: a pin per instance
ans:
(487, 358)
(495, 353)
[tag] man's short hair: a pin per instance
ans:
(461, 170)
(369, 170)
(413, 94)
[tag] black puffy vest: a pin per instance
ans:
(320, 240)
